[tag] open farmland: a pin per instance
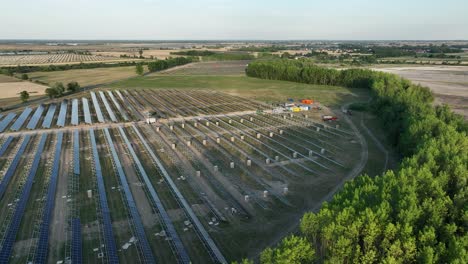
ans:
(47, 59)
(448, 83)
(216, 178)
(209, 68)
(85, 77)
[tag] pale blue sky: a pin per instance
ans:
(234, 19)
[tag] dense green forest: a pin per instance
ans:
(418, 214)
(160, 65)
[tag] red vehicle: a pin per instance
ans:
(329, 118)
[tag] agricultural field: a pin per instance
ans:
(47, 59)
(213, 178)
(209, 68)
(85, 77)
(448, 83)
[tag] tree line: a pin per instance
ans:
(418, 213)
(48, 68)
(160, 65)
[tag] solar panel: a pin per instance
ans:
(21, 119)
(43, 242)
(5, 145)
(6, 121)
(108, 108)
(76, 152)
(128, 105)
(171, 232)
(198, 225)
(35, 118)
(62, 114)
(117, 105)
(11, 170)
(1, 116)
(49, 116)
(76, 252)
(74, 117)
(87, 114)
(106, 218)
(10, 236)
(100, 117)
(139, 230)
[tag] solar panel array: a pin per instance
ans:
(21, 119)
(1, 116)
(43, 242)
(87, 113)
(108, 108)
(6, 121)
(99, 115)
(117, 105)
(11, 170)
(171, 232)
(12, 231)
(62, 114)
(74, 117)
(139, 230)
(76, 152)
(106, 218)
(76, 247)
(5, 145)
(35, 118)
(128, 105)
(204, 234)
(49, 116)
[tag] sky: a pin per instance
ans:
(234, 19)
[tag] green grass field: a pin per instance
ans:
(263, 90)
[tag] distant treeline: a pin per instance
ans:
(406, 50)
(216, 56)
(194, 53)
(417, 214)
(272, 48)
(160, 65)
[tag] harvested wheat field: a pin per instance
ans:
(12, 89)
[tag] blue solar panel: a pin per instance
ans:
(117, 105)
(216, 253)
(5, 145)
(62, 114)
(49, 116)
(129, 106)
(139, 230)
(43, 242)
(74, 116)
(100, 117)
(6, 121)
(76, 252)
(182, 253)
(11, 170)
(35, 118)
(108, 108)
(12, 230)
(76, 152)
(87, 113)
(21, 119)
(1, 116)
(106, 218)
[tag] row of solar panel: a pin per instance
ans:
(138, 223)
(10, 236)
(43, 242)
(61, 119)
(106, 218)
(170, 229)
(188, 209)
(12, 168)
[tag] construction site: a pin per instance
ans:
(168, 176)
